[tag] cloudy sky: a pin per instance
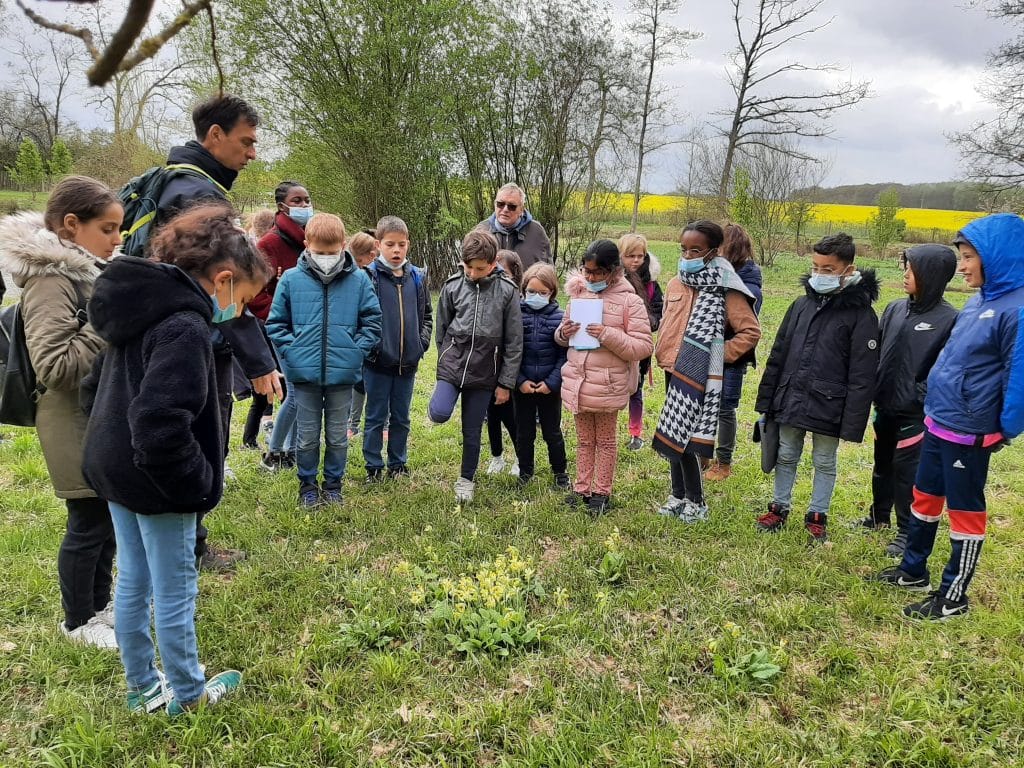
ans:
(924, 59)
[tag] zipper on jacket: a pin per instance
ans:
(323, 342)
(401, 326)
(472, 340)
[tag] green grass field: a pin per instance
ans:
(662, 645)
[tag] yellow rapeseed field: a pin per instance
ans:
(916, 218)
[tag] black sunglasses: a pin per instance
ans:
(503, 204)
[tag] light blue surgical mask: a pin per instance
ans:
(384, 261)
(228, 313)
(300, 215)
(824, 283)
(597, 287)
(536, 300)
(690, 266)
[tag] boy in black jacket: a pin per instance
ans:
(820, 377)
(913, 332)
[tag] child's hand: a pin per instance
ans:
(595, 330)
(279, 273)
(569, 329)
(542, 389)
(500, 396)
(527, 387)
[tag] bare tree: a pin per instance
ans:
(764, 115)
(126, 48)
(662, 42)
(993, 150)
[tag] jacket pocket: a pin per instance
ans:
(826, 401)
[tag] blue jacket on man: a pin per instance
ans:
(324, 325)
(977, 384)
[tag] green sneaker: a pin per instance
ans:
(158, 695)
(217, 687)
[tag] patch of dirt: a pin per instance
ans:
(551, 553)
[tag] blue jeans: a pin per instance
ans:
(387, 392)
(732, 391)
(823, 456)
(327, 406)
(282, 436)
(156, 559)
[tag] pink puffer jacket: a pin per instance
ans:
(602, 379)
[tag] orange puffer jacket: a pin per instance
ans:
(602, 379)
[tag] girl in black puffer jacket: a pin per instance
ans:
(539, 382)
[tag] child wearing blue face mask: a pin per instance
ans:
(538, 387)
(390, 371)
(820, 377)
(325, 321)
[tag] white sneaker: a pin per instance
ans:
(671, 507)
(464, 489)
(514, 469)
(692, 512)
(94, 632)
(107, 615)
(497, 464)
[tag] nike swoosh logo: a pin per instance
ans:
(904, 583)
(924, 327)
(950, 612)
(987, 314)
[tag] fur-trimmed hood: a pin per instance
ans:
(28, 249)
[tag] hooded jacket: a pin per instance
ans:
(61, 348)
(281, 246)
(324, 324)
(912, 333)
(242, 336)
(601, 380)
(543, 357)
(479, 332)
(154, 442)
(820, 375)
(977, 384)
(527, 238)
(407, 319)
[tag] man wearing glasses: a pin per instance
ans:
(515, 229)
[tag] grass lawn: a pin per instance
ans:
(631, 640)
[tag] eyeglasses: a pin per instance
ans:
(599, 272)
(694, 253)
(499, 204)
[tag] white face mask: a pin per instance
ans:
(326, 261)
(384, 261)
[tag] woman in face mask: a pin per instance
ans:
(708, 321)
(282, 246)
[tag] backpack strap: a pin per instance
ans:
(80, 314)
(195, 170)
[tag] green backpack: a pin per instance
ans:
(140, 197)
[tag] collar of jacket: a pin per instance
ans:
(344, 267)
(194, 153)
(518, 228)
(857, 296)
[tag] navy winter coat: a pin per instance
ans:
(406, 316)
(977, 384)
(543, 358)
(324, 325)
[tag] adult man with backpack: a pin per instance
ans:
(202, 170)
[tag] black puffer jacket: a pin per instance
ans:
(154, 441)
(913, 332)
(820, 375)
(479, 332)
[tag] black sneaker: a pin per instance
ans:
(288, 460)
(869, 523)
(575, 499)
(399, 471)
(250, 445)
(562, 481)
(272, 461)
(814, 524)
(598, 504)
(896, 547)
(936, 607)
(895, 576)
(773, 520)
(309, 497)
(524, 480)
(331, 496)
(374, 476)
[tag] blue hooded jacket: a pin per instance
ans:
(324, 324)
(977, 384)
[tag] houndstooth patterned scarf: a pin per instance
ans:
(689, 419)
